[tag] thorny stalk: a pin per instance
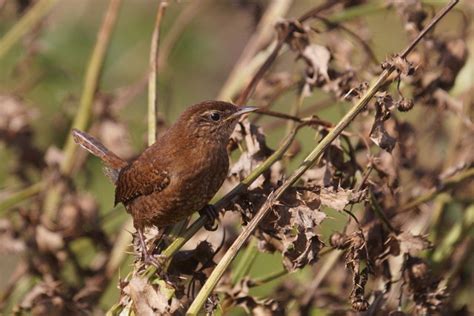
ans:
(307, 163)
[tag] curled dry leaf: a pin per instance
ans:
(49, 298)
(339, 198)
(402, 65)
(240, 295)
(256, 152)
(47, 240)
(54, 156)
(9, 243)
(427, 293)
(379, 134)
(291, 228)
(78, 212)
(187, 262)
(150, 300)
(412, 244)
(317, 57)
(302, 248)
(15, 116)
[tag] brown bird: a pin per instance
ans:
(179, 173)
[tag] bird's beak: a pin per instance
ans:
(242, 110)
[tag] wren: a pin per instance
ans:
(177, 175)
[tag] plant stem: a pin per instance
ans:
(306, 164)
(25, 24)
(91, 80)
(152, 94)
(20, 196)
(245, 263)
(269, 277)
(446, 184)
(82, 117)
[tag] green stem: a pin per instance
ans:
(358, 11)
(91, 80)
(269, 277)
(456, 234)
(20, 196)
(152, 99)
(25, 24)
(445, 185)
(306, 164)
(245, 263)
(81, 120)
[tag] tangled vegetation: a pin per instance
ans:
(350, 191)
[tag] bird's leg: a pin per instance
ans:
(147, 257)
(212, 214)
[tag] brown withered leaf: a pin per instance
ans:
(239, 294)
(47, 240)
(297, 38)
(77, 212)
(189, 261)
(318, 176)
(412, 244)
(15, 115)
(302, 248)
(291, 227)
(49, 298)
(256, 152)
(379, 134)
(402, 65)
(9, 243)
(53, 156)
(148, 300)
(339, 198)
(318, 57)
(425, 287)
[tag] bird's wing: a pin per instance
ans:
(140, 179)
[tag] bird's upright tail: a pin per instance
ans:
(113, 163)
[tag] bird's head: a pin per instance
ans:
(214, 120)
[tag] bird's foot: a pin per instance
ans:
(148, 257)
(212, 214)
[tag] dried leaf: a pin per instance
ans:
(9, 244)
(412, 244)
(47, 240)
(150, 301)
(302, 248)
(239, 294)
(15, 116)
(378, 133)
(318, 57)
(339, 198)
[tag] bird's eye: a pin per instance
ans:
(215, 116)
